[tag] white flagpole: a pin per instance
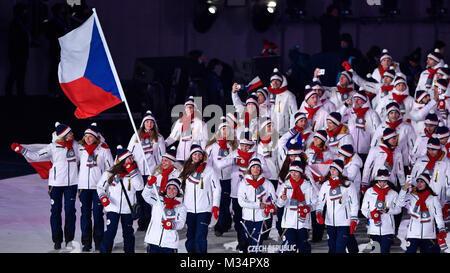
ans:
(124, 99)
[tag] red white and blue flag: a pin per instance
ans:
(255, 83)
(86, 71)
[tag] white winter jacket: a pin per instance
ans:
(202, 191)
(290, 216)
(156, 234)
(426, 229)
(64, 171)
(198, 135)
(92, 167)
(387, 219)
(339, 211)
(247, 198)
(153, 153)
(115, 192)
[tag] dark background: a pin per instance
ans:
(164, 28)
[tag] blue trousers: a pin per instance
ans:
(197, 232)
(280, 213)
(337, 238)
(299, 238)
(425, 245)
(224, 222)
(237, 217)
(254, 230)
(385, 242)
(57, 194)
(90, 206)
(157, 249)
(145, 209)
(112, 223)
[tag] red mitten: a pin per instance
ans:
(131, 168)
(303, 211)
(151, 180)
(104, 200)
(376, 216)
(319, 218)
(215, 212)
(441, 236)
(364, 189)
(241, 162)
(269, 209)
(167, 224)
(16, 147)
(346, 65)
(353, 225)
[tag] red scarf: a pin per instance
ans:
(422, 198)
(432, 160)
(68, 144)
(390, 155)
(277, 91)
(200, 168)
(429, 135)
(334, 183)
(335, 132)
(297, 191)
(360, 112)
(381, 192)
(432, 72)
(447, 146)
(381, 70)
(266, 140)
(387, 88)
(255, 183)
(298, 129)
(145, 135)
(311, 111)
(395, 124)
(90, 148)
(344, 90)
(165, 177)
(222, 144)
(399, 98)
(317, 151)
(245, 155)
(186, 122)
(170, 203)
(305, 136)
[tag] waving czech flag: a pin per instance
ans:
(86, 72)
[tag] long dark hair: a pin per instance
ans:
(114, 170)
(188, 168)
(389, 183)
(342, 179)
(154, 133)
(284, 170)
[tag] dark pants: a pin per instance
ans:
(16, 75)
(90, 206)
(237, 217)
(112, 223)
(297, 238)
(337, 238)
(352, 244)
(145, 210)
(317, 229)
(56, 196)
(280, 213)
(426, 246)
(197, 232)
(253, 233)
(224, 222)
(157, 249)
(385, 242)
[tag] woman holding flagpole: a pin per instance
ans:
(153, 148)
(62, 180)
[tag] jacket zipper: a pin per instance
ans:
(195, 198)
(160, 239)
(89, 174)
(68, 173)
(254, 209)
